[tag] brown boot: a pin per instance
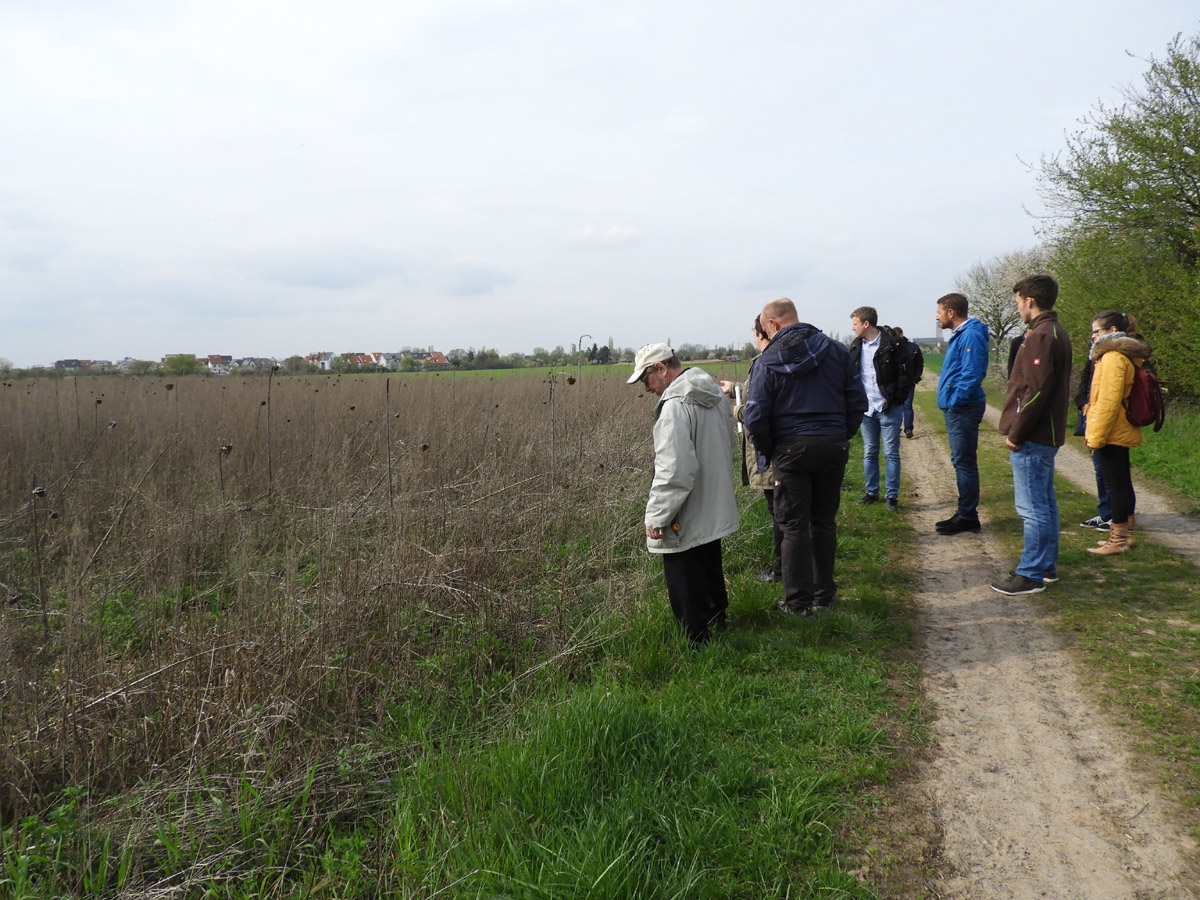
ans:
(1118, 540)
(1130, 541)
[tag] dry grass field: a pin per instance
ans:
(206, 578)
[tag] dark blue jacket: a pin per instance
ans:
(803, 385)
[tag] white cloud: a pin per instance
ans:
(606, 236)
(349, 173)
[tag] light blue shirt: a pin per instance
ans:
(866, 363)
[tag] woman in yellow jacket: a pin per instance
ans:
(1117, 351)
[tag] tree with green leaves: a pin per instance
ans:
(182, 364)
(1124, 203)
(297, 365)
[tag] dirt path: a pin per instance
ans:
(1032, 786)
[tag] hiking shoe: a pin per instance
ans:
(1097, 522)
(892, 504)
(957, 525)
(804, 613)
(867, 499)
(769, 575)
(1017, 584)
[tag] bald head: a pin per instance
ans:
(777, 315)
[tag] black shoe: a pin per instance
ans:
(770, 575)
(1100, 524)
(1017, 584)
(825, 605)
(892, 504)
(957, 525)
(908, 434)
(804, 613)
(1048, 577)
(867, 499)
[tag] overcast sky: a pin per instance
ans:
(272, 178)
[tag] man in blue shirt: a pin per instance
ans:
(961, 400)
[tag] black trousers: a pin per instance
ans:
(808, 492)
(696, 588)
(1118, 481)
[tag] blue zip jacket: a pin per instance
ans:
(803, 385)
(966, 362)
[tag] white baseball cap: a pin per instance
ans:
(648, 356)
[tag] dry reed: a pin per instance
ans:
(361, 541)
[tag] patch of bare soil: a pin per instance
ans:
(1033, 789)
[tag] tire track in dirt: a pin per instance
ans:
(1032, 786)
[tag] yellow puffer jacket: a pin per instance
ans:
(1115, 357)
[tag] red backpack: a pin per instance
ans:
(1145, 404)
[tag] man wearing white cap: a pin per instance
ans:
(692, 503)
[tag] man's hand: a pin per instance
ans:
(654, 533)
(1010, 445)
(726, 387)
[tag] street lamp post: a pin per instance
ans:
(579, 355)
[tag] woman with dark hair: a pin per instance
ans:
(1116, 352)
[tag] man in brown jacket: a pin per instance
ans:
(1034, 422)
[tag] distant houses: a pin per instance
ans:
(223, 364)
(322, 359)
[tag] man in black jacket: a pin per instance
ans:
(916, 369)
(804, 404)
(884, 364)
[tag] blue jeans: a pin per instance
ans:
(1033, 496)
(962, 430)
(908, 410)
(885, 425)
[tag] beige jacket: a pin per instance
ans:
(692, 487)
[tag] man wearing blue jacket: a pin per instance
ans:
(961, 400)
(804, 403)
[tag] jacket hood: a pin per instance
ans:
(695, 386)
(973, 324)
(796, 350)
(1133, 347)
